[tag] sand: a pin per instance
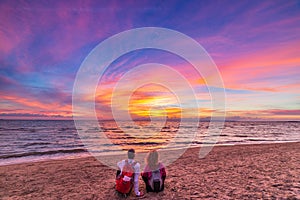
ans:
(265, 171)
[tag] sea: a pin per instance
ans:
(36, 140)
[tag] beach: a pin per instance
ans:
(256, 171)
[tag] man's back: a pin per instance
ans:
(136, 168)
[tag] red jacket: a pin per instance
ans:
(147, 173)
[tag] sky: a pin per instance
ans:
(254, 44)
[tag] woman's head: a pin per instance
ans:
(152, 159)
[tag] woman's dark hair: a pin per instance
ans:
(131, 153)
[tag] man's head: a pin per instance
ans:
(131, 154)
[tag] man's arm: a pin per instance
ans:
(120, 165)
(136, 178)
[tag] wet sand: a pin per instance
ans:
(264, 171)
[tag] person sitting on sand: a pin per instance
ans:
(128, 175)
(154, 174)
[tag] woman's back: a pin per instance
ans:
(154, 173)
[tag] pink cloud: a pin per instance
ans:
(242, 72)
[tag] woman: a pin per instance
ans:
(154, 174)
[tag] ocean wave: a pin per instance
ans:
(36, 143)
(43, 153)
(141, 143)
(241, 135)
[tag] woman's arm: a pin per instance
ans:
(163, 171)
(146, 173)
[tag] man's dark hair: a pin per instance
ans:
(131, 153)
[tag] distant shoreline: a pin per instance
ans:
(171, 120)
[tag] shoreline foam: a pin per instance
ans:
(86, 153)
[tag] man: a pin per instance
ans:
(136, 168)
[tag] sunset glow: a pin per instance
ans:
(254, 44)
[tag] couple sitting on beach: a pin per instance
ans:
(127, 176)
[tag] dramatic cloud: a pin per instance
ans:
(254, 44)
